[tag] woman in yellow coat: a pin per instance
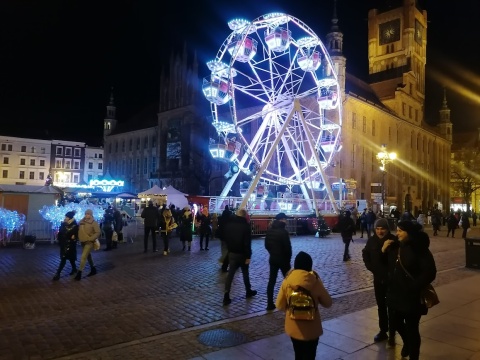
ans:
(304, 333)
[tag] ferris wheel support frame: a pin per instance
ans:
(266, 161)
(320, 169)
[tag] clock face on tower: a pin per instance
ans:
(389, 31)
(418, 32)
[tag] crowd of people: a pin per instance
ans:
(401, 263)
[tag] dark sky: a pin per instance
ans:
(59, 59)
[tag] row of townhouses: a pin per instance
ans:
(39, 162)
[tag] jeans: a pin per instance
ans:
(108, 237)
(346, 254)
(284, 268)
(86, 255)
(384, 314)
(370, 230)
(205, 234)
(305, 350)
(147, 231)
(224, 257)
(166, 240)
(237, 261)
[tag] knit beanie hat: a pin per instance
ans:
(382, 223)
(303, 261)
(70, 214)
(409, 226)
(89, 212)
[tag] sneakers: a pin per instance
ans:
(226, 299)
(381, 336)
(165, 253)
(270, 307)
(250, 293)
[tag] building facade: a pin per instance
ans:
(388, 110)
(93, 169)
(24, 161)
(67, 162)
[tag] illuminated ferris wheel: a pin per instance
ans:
(276, 104)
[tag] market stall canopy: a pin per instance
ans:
(154, 191)
(175, 197)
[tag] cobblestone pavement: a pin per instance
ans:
(150, 306)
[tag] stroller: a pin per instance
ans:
(322, 228)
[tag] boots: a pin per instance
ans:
(93, 271)
(226, 299)
(78, 277)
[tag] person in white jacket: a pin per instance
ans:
(304, 333)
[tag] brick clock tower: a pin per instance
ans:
(397, 57)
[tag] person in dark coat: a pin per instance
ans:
(117, 226)
(151, 221)
(222, 220)
(377, 263)
(347, 228)
(67, 239)
(452, 224)
(279, 247)
(204, 224)
(186, 231)
(371, 218)
(465, 224)
(409, 253)
(107, 227)
(239, 244)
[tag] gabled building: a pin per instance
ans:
(165, 143)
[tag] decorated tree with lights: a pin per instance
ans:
(10, 221)
(55, 214)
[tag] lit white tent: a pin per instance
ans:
(173, 196)
(154, 191)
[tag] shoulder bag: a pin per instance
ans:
(428, 296)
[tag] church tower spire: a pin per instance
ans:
(335, 49)
(110, 121)
(445, 124)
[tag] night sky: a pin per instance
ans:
(59, 59)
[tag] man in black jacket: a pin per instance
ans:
(238, 236)
(278, 245)
(151, 221)
(377, 263)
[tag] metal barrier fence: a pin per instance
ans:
(260, 226)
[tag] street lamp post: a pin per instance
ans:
(384, 157)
